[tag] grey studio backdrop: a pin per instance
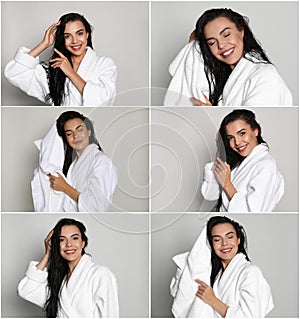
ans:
(183, 141)
(118, 241)
(272, 245)
(121, 131)
(120, 32)
(278, 33)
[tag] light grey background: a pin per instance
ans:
(183, 141)
(120, 31)
(118, 241)
(121, 131)
(272, 245)
(274, 24)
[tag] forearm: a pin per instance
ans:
(71, 192)
(77, 80)
(229, 190)
(43, 262)
(38, 49)
(219, 306)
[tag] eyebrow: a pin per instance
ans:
(77, 127)
(239, 131)
(231, 232)
(70, 236)
(75, 31)
(211, 38)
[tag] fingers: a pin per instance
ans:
(59, 53)
(196, 102)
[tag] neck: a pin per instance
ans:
(72, 265)
(76, 60)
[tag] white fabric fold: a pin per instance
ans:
(100, 74)
(91, 291)
(188, 77)
(51, 160)
(258, 182)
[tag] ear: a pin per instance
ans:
(239, 241)
(256, 132)
(89, 132)
(83, 244)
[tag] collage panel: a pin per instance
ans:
(185, 140)
(116, 179)
(267, 285)
(114, 269)
(244, 65)
(116, 70)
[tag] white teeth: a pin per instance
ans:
(227, 52)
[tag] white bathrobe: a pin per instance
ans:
(257, 180)
(241, 287)
(251, 83)
(92, 174)
(91, 291)
(100, 74)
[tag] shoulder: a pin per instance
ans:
(101, 273)
(263, 70)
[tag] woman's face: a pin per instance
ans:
(224, 40)
(241, 137)
(77, 135)
(225, 242)
(71, 244)
(76, 37)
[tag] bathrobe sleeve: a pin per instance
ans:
(255, 299)
(210, 188)
(107, 295)
(102, 90)
(97, 196)
(264, 190)
(26, 73)
(33, 287)
(266, 87)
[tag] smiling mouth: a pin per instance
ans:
(241, 149)
(227, 53)
(76, 48)
(70, 251)
(226, 251)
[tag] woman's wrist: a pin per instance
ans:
(229, 190)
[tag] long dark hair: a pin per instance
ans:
(56, 77)
(215, 260)
(69, 152)
(217, 72)
(58, 267)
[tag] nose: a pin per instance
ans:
(224, 242)
(68, 243)
(221, 43)
(237, 141)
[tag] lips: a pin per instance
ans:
(76, 47)
(227, 53)
(226, 250)
(241, 149)
(70, 251)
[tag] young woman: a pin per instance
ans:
(232, 68)
(66, 282)
(244, 176)
(219, 280)
(74, 75)
(73, 164)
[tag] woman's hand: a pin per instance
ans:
(63, 63)
(44, 261)
(47, 41)
(200, 103)
(192, 36)
(59, 184)
(222, 173)
(205, 293)
(49, 36)
(47, 243)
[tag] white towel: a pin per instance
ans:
(51, 160)
(188, 77)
